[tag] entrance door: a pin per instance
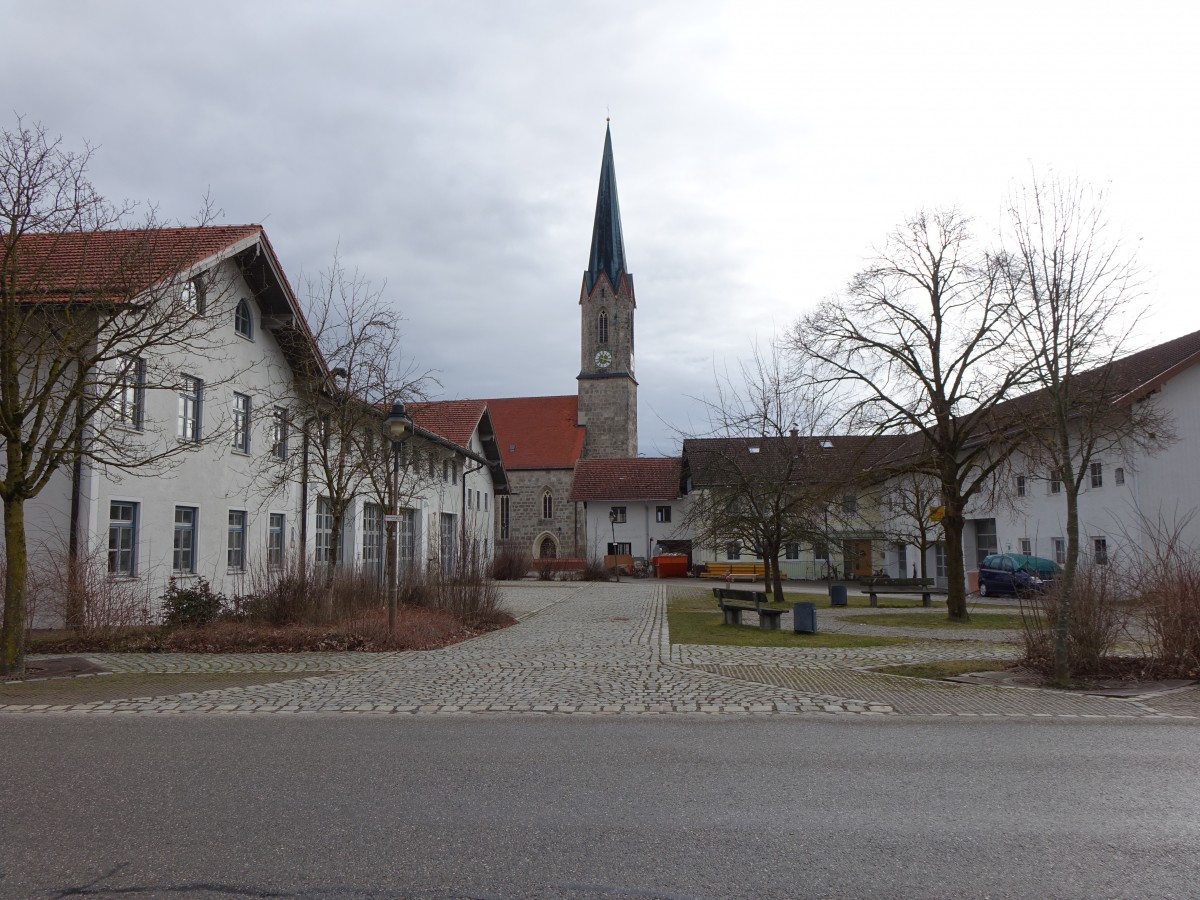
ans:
(857, 556)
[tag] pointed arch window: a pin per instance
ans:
(547, 505)
(602, 327)
(243, 323)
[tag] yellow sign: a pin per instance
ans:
(937, 514)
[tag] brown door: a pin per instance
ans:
(858, 558)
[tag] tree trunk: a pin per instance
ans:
(956, 575)
(1066, 588)
(16, 560)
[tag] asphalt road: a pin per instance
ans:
(335, 807)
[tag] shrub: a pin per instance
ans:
(83, 596)
(511, 562)
(192, 603)
(593, 570)
(1097, 622)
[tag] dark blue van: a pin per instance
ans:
(1015, 573)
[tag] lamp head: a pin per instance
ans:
(398, 425)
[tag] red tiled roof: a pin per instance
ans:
(117, 264)
(627, 479)
(806, 460)
(537, 432)
(454, 420)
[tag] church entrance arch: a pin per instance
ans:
(545, 546)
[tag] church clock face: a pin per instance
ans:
(603, 359)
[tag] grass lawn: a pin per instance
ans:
(693, 618)
(700, 598)
(946, 668)
(924, 620)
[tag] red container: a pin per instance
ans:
(670, 565)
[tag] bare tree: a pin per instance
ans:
(92, 315)
(338, 408)
(923, 336)
(912, 500)
(1077, 289)
(761, 478)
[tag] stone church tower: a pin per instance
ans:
(607, 387)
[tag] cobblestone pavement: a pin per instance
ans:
(603, 649)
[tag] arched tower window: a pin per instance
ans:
(547, 505)
(602, 327)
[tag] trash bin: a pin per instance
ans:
(837, 595)
(804, 618)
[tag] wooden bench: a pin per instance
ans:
(736, 571)
(734, 602)
(885, 585)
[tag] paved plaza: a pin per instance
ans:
(603, 649)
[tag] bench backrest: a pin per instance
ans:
(756, 597)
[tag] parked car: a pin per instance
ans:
(1015, 573)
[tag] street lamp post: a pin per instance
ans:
(398, 426)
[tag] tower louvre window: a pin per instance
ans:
(602, 327)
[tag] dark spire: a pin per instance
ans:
(608, 244)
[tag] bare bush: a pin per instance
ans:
(465, 590)
(84, 596)
(511, 563)
(593, 570)
(1098, 622)
(295, 595)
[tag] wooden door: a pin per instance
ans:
(857, 555)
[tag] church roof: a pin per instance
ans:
(537, 432)
(627, 479)
(608, 243)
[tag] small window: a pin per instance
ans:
(191, 396)
(791, 550)
(193, 296)
(236, 555)
(617, 514)
(275, 539)
(454, 472)
(445, 470)
(129, 400)
(821, 551)
(621, 548)
(243, 322)
(323, 544)
(1020, 485)
(504, 522)
(733, 550)
(486, 502)
(662, 514)
(1026, 546)
(469, 500)
(1097, 470)
(547, 505)
(1119, 475)
(122, 538)
(849, 504)
(183, 556)
(602, 327)
(241, 423)
(279, 433)
(1055, 483)
(1060, 550)
(1100, 550)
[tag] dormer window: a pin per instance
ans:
(602, 327)
(243, 323)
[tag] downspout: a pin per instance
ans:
(304, 503)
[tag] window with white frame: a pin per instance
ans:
(1100, 550)
(1119, 475)
(191, 402)
(406, 537)
(243, 321)
(1055, 482)
(1020, 485)
(662, 514)
(617, 515)
(447, 541)
(235, 555)
(454, 471)
(620, 548)
(193, 296)
(183, 554)
(939, 560)
(129, 401)
(276, 526)
(849, 504)
(323, 536)
(241, 423)
(1097, 473)
(791, 550)
(1060, 550)
(373, 542)
(445, 470)
(122, 537)
(733, 550)
(1026, 546)
(279, 433)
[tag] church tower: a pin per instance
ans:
(607, 387)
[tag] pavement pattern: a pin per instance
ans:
(603, 650)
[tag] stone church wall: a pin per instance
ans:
(527, 526)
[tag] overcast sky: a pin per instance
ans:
(452, 150)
